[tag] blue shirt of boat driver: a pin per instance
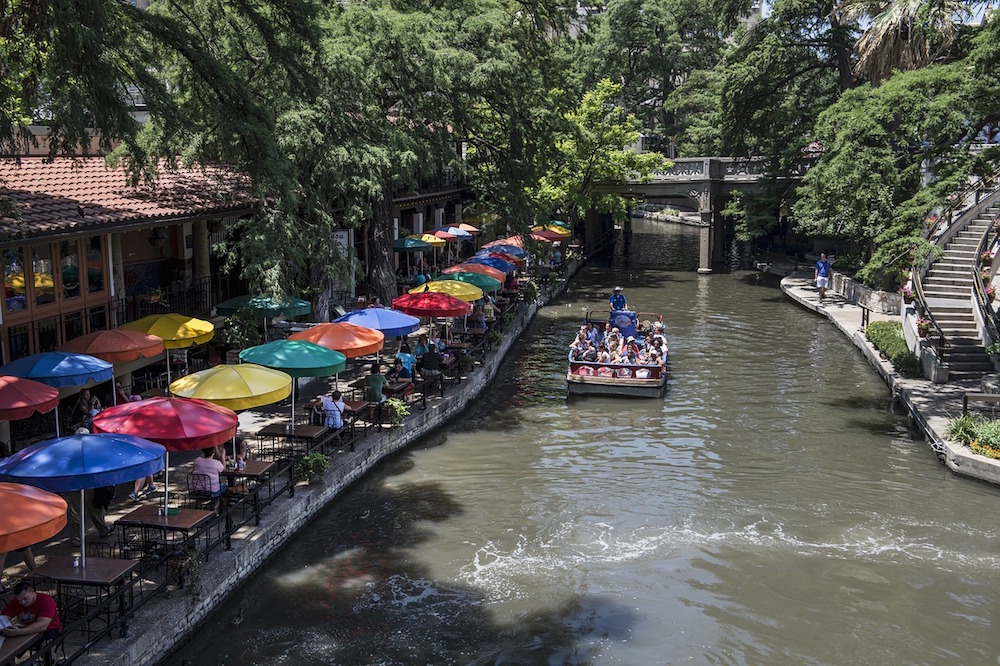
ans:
(617, 301)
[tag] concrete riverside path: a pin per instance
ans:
(930, 405)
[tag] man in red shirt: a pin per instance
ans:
(31, 613)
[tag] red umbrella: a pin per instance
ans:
(350, 340)
(116, 345)
(20, 398)
(30, 515)
(477, 268)
(445, 236)
(432, 304)
(510, 240)
(179, 424)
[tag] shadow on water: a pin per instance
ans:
(348, 591)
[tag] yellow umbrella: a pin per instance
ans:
(430, 239)
(241, 386)
(177, 331)
(460, 290)
(554, 229)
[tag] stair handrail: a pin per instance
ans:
(991, 238)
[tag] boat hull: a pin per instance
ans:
(613, 386)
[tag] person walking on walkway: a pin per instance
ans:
(822, 275)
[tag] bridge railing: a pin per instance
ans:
(719, 168)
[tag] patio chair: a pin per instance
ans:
(200, 492)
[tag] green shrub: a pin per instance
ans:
(987, 439)
(963, 428)
(887, 336)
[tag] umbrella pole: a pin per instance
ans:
(168, 372)
(295, 380)
(57, 421)
(83, 531)
(166, 483)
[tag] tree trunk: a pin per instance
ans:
(381, 275)
(842, 52)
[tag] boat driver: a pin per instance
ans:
(617, 300)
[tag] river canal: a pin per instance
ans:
(773, 508)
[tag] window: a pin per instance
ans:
(69, 265)
(95, 265)
(15, 298)
(41, 265)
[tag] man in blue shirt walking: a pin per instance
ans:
(822, 277)
(617, 300)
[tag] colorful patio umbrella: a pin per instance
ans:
(60, 369)
(264, 306)
(20, 398)
(492, 252)
(444, 235)
(430, 239)
(177, 424)
(547, 236)
(454, 231)
(432, 304)
(116, 345)
(349, 339)
(177, 331)
(469, 228)
(30, 515)
(243, 386)
(508, 248)
(461, 290)
(80, 462)
(565, 233)
(484, 282)
(466, 267)
(409, 244)
(561, 224)
(392, 323)
(515, 240)
(298, 358)
(493, 262)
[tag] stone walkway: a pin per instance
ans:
(930, 405)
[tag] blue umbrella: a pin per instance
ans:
(506, 248)
(80, 462)
(392, 323)
(493, 262)
(60, 369)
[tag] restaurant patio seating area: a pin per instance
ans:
(159, 546)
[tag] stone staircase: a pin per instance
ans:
(948, 292)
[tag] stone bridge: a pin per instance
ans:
(704, 183)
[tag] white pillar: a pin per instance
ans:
(438, 217)
(418, 223)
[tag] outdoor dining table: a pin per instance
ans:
(106, 575)
(147, 520)
(257, 471)
(298, 436)
(12, 647)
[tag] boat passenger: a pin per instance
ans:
(591, 353)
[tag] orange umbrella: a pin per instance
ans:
(477, 268)
(29, 515)
(468, 227)
(20, 398)
(445, 236)
(349, 339)
(116, 345)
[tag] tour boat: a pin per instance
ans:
(619, 379)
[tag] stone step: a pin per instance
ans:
(941, 292)
(948, 274)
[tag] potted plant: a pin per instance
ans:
(986, 257)
(924, 327)
(311, 467)
(155, 295)
(495, 337)
(398, 410)
(907, 294)
(991, 292)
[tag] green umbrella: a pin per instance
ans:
(407, 244)
(484, 282)
(560, 223)
(264, 306)
(297, 358)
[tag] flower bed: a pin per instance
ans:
(887, 336)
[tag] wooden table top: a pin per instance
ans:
(146, 516)
(98, 571)
(14, 646)
(355, 405)
(254, 469)
(298, 432)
